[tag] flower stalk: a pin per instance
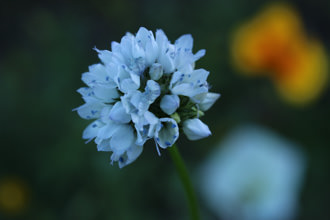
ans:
(184, 177)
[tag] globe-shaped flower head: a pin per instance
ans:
(145, 88)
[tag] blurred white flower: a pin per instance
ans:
(145, 88)
(253, 175)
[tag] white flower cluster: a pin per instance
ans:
(145, 88)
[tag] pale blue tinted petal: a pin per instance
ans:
(131, 154)
(185, 42)
(185, 89)
(141, 137)
(140, 102)
(107, 94)
(126, 101)
(97, 74)
(122, 72)
(126, 47)
(90, 110)
(195, 129)
(92, 130)
(152, 121)
(208, 101)
(167, 63)
(135, 78)
(169, 103)
(145, 126)
(104, 55)
(105, 114)
(122, 138)
(161, 39)
(104, 145)
(167, 132)
(175, 78)
(200, 95)
(199, 75)
(118, 113)
(191, 84)
(87, 94)
(117, 57)
(115, 47)
(107, 130)
(112, 70)
(137, 51)
(142, 36)
(183, 61)
(199, 54)
(156, 71)
(127, 86)
(152, 91)
(165, 51)
(152, 50)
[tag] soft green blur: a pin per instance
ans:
(45, 46)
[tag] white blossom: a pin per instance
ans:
(144, 88)
(253, 174)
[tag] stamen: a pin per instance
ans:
(89, 140)
(197, 106)
(157, 147)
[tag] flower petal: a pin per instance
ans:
(92, 130)
(104, 55)
(208, 101)
(199, 55)
(161, 39)
(152, 121)
(167, 132)
(142, 36)
(167, 63)
(90, 110)
(152, 50)
(98, 73)
(126, 46)
(122, 138)
(104, 145)
(131, 154)
(185, 42)
(140, 102)
(156, 71)
(107, 131)
(107, 94)
(128, 86)
(118, 113)
(152, 91)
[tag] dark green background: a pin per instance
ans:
(46, 45)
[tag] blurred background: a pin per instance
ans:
(269, 62)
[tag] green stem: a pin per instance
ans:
(183, 173)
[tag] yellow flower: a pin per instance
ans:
(13, 196)
(275, 44)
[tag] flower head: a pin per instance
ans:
(145, 88)
(275, 44)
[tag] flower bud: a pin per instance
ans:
(169, 103)
(208, 101)
(195, 129)
(156, 71)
